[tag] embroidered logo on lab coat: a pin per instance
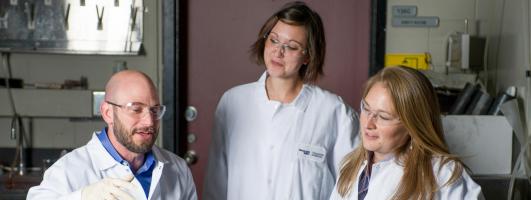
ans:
(314, 153)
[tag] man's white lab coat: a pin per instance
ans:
(91, 163)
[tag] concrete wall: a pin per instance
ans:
(64, 132)
(505, 24)
(452, 15)
(512, 58)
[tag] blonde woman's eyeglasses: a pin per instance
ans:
(379, 118)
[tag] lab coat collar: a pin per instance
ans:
(103, 160)
(300, 102)
(387, 159)
(159, 156)
(106, 142)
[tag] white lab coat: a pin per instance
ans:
(264, 149)
(386, 176)
(91, 163)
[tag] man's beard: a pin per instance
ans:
(125, 137)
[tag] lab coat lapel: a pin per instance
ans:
(105, 164)
(263, 103)
(157, 171)
(302, 101)
(102, 159)
(138, 193)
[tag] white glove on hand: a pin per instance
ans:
(109, 188)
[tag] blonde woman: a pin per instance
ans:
(403, 153)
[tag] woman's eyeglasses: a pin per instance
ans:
(291, 48)
(379, 118)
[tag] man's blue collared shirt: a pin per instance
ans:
(143, 174)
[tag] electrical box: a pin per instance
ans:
(465, 51)
(419, 61)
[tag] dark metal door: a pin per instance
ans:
(215, 37)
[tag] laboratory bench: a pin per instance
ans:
(17, 187)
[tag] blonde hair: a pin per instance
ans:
(416, 104)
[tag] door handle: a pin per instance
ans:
(190, 114)
(190, 157)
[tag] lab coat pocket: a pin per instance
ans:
(314, 153)
(309, 172)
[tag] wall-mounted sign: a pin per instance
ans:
(404, 11)
(416, 21)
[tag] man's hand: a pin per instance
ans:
(109, 188)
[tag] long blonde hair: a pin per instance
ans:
(416, 104)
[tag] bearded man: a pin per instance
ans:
(120, 161)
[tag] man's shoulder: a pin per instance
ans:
(78, 156)
(87, 153)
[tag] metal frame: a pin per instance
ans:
(377, 42)
(170, 73)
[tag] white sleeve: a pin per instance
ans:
(216, 178)
(54, 186)
(347, 136)
(335, 195)
(464, 188)
(190, 193)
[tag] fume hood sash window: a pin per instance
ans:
(112, 27)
